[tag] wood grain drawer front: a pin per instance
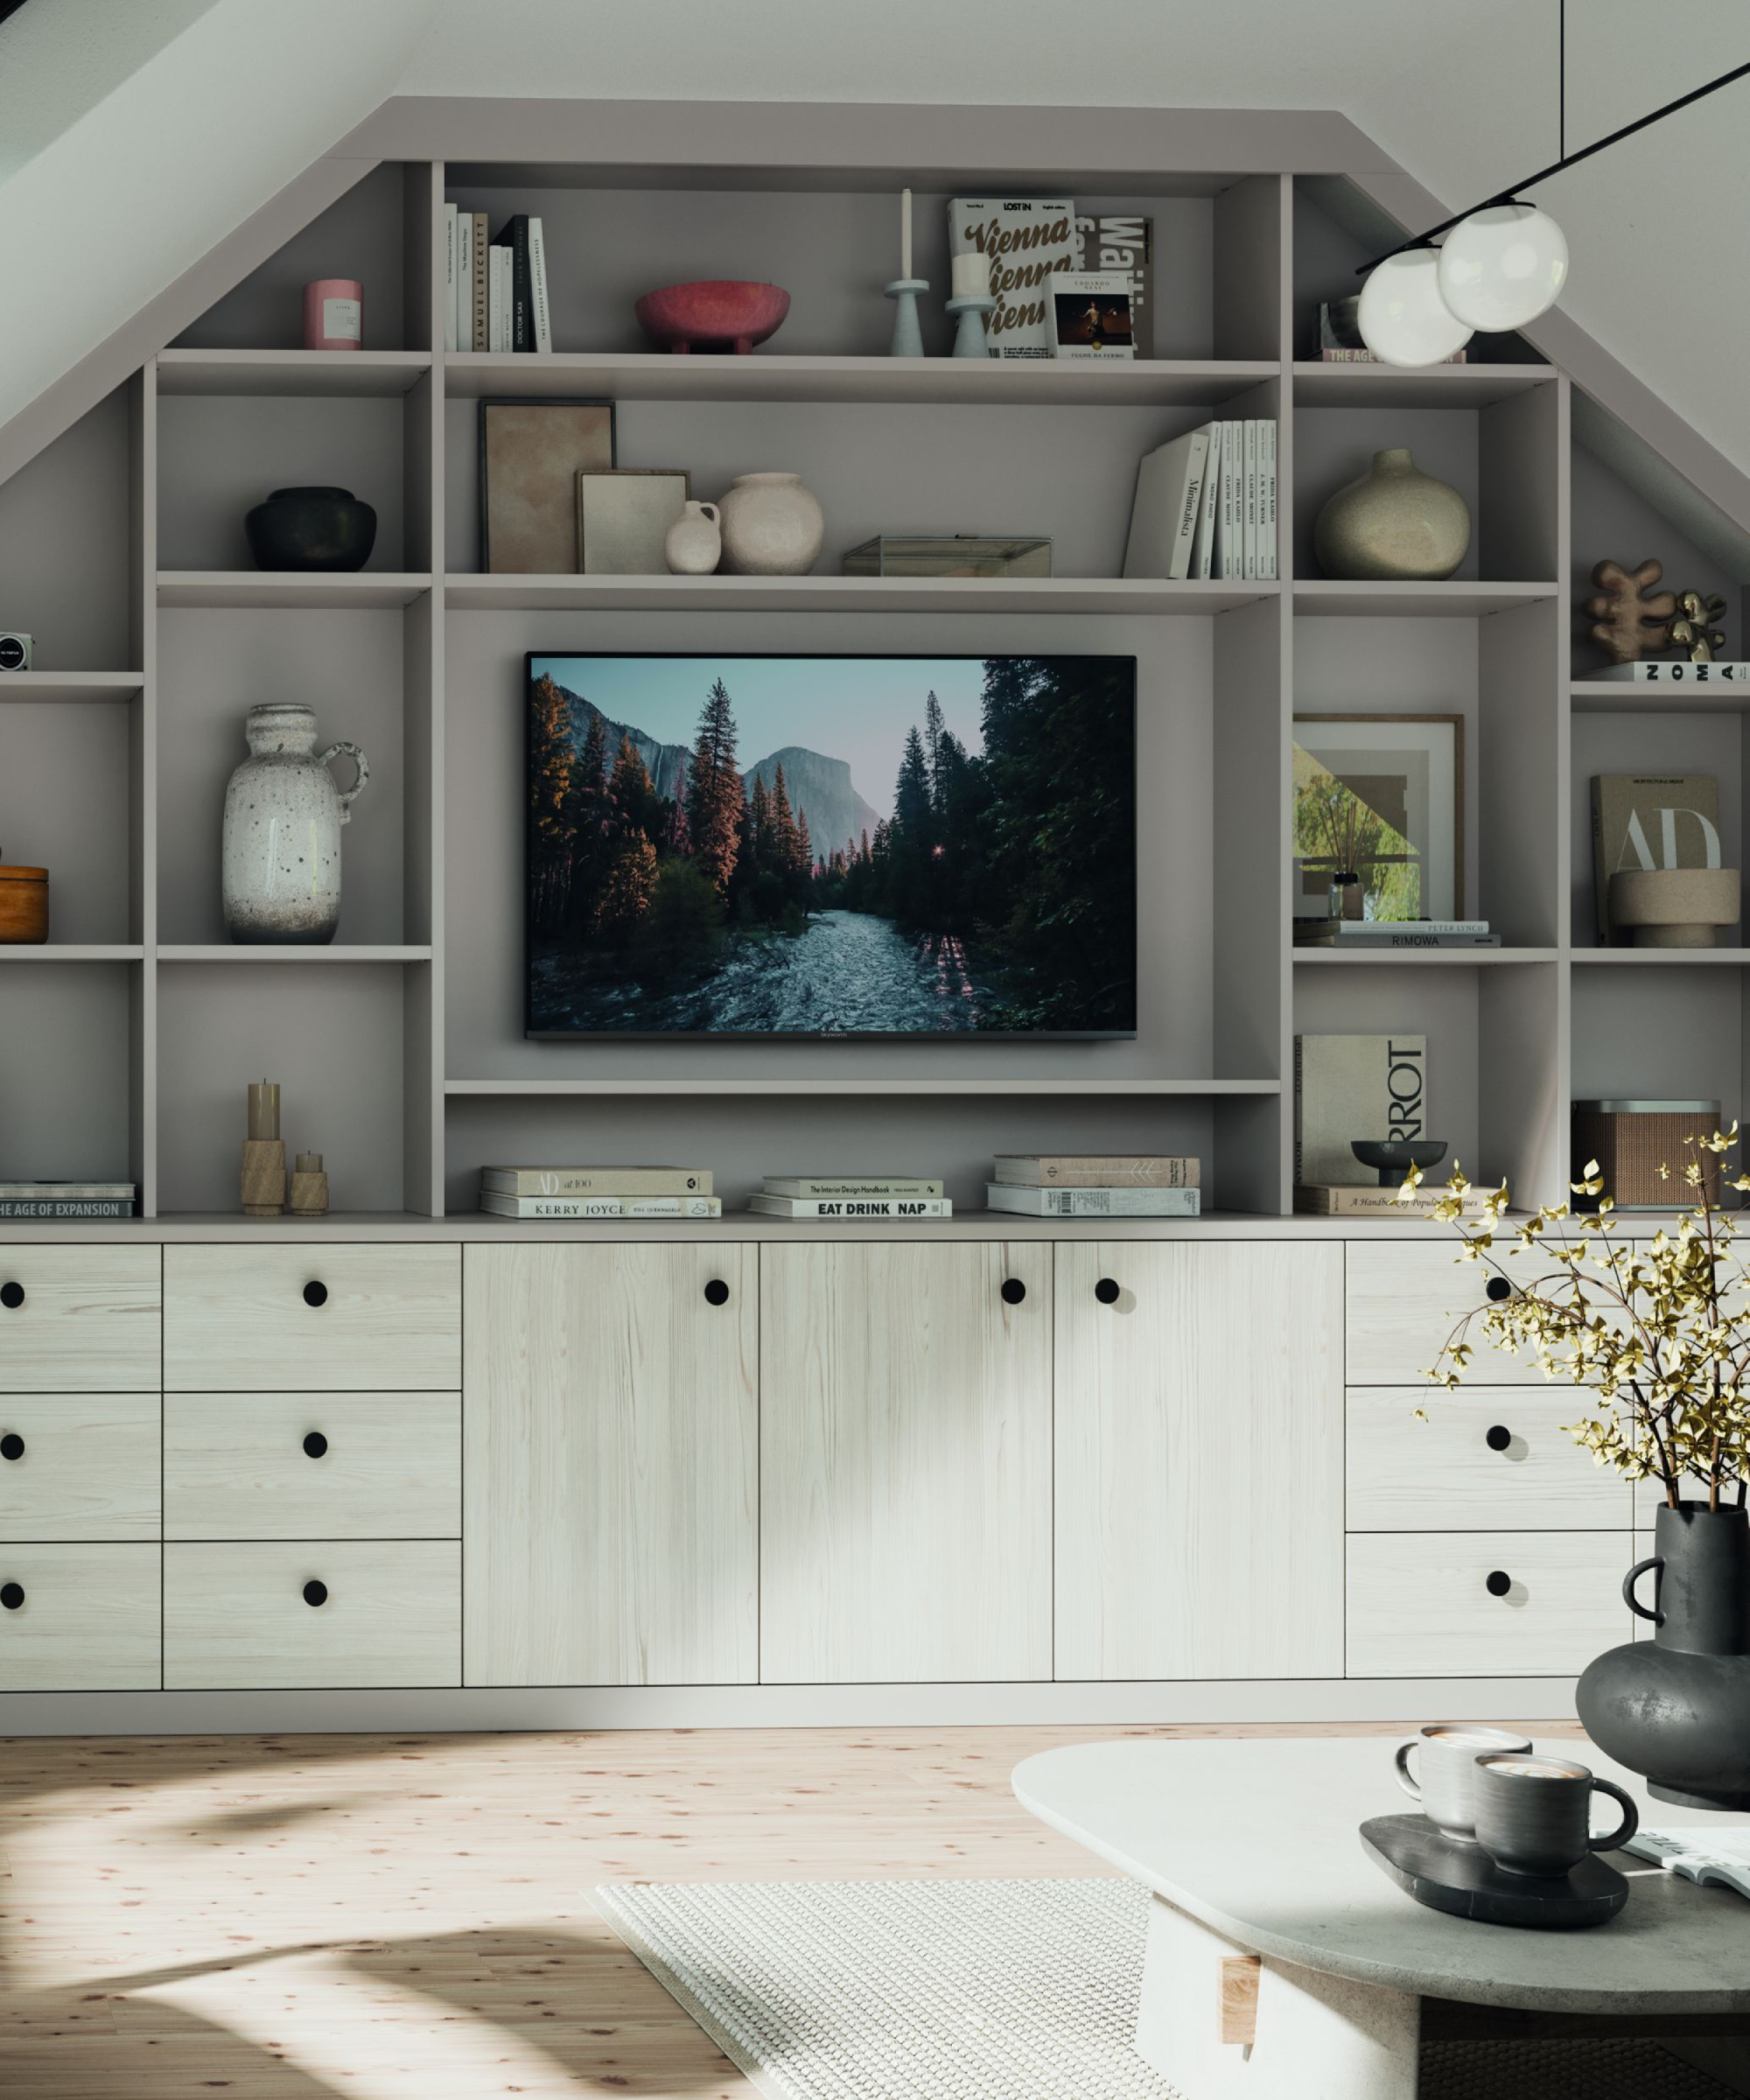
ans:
(311, 1465)
(79, 1466)
(905, 1463)
(1402, 1302)
(79, 1617)
(1420, 1604)
(312, 1614)
(79, 1319)
(1496, 1460)
(303, 1318)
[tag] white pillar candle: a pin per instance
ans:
(972, 276)
(905, 233)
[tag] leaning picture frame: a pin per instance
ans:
(1387, 794)
(624, 513)
(531, 451)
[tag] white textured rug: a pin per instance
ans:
(992, 1990)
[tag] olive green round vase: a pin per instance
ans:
(1394, 525)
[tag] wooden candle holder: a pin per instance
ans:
(264, 1182)
(308, 1186)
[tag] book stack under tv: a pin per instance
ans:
(67, 1200)
(1377, 936)
(842, 1199)
(598, 1192)
(1071, 1185)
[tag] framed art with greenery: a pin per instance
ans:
(1381, 796)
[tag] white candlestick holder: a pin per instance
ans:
(908, 337)
(968, 335)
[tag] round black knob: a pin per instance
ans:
(1106, 1291)
(315, 1443)
(11, 1445)
(1498, 1288)
(315, 1593)
(12, 1595)
(11, 1296)
(1498, 1437)
(716, 1291)
(1013, 1290)
(316, 1294)
(1498, 1582)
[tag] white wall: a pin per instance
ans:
(1461, 92)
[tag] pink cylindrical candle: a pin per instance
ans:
(334, 314)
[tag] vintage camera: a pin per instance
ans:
(14, 652)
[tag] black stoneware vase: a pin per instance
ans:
(1676, 1708)
(311, 528)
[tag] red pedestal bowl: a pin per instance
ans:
(720, 315)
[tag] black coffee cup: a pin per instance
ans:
(1534, 1814)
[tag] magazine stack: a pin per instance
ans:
(1097, 1185)
(846, 1198)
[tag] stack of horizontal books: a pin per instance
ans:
(1097, 1185)
(598, 1192)
(846, 1197)
(67, 1200)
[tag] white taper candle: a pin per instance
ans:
(905, 233)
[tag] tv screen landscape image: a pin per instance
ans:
(831, 846)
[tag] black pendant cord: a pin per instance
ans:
(1568, 160)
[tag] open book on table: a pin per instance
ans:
(1704, 1855)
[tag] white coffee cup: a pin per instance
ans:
(1444, 1781)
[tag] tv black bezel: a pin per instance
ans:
(776, 1035)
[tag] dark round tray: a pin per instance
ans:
(1464, 1881)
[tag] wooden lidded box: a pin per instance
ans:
(23, 905)
(1631, 1140)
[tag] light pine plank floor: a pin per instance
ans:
(284, 1918)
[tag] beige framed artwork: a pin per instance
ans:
(1382, 796)
(624, 516)
(531, 454)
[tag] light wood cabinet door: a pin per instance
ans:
(79, 1617)
(313, 1613)
(610, 1435)
(1484, 1604)
(312, 1466)
(303, 1317)
(79, 1319)
(905, 1463)
(1200, 1460)
(79, 1466)
(1491, 1460)
(1402, 1303)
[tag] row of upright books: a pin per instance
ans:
(1206, 505)
(496, 286)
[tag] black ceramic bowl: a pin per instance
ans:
(311, 528)
(1394, 1157)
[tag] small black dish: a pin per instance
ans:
(1461, 1880)
(311, 528)
(1394, 1157)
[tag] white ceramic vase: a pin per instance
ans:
(1394, 525)
(771, 526)
(281, 860)
(695, 541)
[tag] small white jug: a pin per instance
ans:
(695, 541)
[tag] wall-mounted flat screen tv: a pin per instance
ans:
(831, 846)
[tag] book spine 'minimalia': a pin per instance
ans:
(1095, 1202)
(77, 1207)
(853, 1206)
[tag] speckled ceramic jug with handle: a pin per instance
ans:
(283, 819)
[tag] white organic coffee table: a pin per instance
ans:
(1282, 1962)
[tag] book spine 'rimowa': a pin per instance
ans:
(897, 1207)
(596, 1180)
